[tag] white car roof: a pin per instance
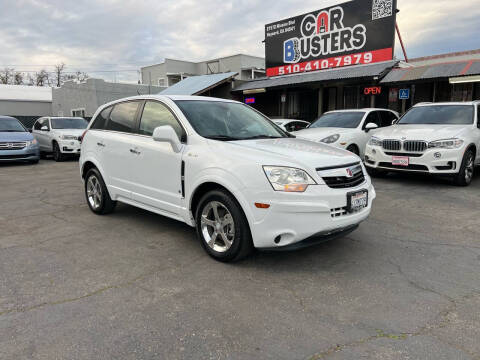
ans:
(476, 102)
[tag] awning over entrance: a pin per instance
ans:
(196, 85)
(434, 71)
(371, 71)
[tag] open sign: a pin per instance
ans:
(372, 90)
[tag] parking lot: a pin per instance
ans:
(134, 285)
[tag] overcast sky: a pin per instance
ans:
(123, 35)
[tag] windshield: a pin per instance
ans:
(228, 121)
(69, 123)
(349, 120)
(11, 125)
(439, 114)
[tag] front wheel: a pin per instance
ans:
(376, 173)
(222, 227)
(465, 175)
(57, 154)
(97, 195)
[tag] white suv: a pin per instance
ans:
(435, 138)
(348, 129)
(59, 135)
(224, 168)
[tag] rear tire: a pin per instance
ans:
(222, 227)
(57, 154)
(96, 193)
(465, 175)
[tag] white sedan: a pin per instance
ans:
(290, 125)
(348, 129)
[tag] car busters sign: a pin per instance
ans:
(350, 33)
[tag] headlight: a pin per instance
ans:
(68, 137)
(374, 141)
(331, 139)
(32, 142)
(446, 144)
(288, 179)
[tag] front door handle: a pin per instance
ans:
(100, 144)
(133, 151)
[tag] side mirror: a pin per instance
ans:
(44, 128)
(371, 126)
(394, 121)
(167, 134)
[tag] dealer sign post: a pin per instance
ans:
(352, 33)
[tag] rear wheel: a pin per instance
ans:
(465, 175)
(97, 195)
(222, 227)
(57, 154)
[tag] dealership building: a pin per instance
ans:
(342, 58)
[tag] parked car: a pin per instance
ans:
(432, 138)
(59, 135)
(291, 125)
(224, 168)
(16, 142)
(348, 129)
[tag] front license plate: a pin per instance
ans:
(400, 160)
(357, 200)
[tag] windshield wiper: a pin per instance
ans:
(222, 138)
(263, 137)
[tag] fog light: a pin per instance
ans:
(437, 155)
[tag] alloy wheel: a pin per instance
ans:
(94, 192)
(469, 168)
(217, 226)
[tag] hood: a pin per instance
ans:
(74, 132)
(420, 132)
(15, 136)
(318, 134)
(291, 152)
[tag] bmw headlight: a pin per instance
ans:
(288, 179)
(374, 141)
(68, 137)
(330, 139)
(446, 144)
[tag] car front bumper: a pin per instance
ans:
(69, 146)
(432, 161)
(30, 153)
(299, 220)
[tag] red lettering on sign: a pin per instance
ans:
(373, 90)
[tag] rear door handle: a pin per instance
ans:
(133, 151)
(100, 144)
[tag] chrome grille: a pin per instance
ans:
(341, 182)
(13, 145)
(415, 146)
(394, 145)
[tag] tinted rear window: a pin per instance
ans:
(101, 119)
(122, 118)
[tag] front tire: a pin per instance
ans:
(465, 175)
(57, 154)
(97, 195)
(222, 227)
(354, 149)
(376, 173)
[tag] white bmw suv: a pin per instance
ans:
(224, 168)
(59, 135)
(348, 129)
(434, 138)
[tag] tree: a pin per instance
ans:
(59, 77)
(6, 76)
(41, 78)
(18, 78)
